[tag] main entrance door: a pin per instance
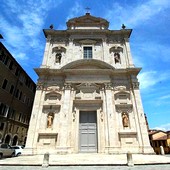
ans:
(88, 131)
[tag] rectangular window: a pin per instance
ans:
(20, 95)
(17, 93)
(11, 113)
(28, 101)
(24, 98)
(17, 129)
(11, 65)
(6, 60)
(3, 109)
(22, 77)
(2, 56)
(1, 126)
(20, 116)
(11, 89)
(4, 84)
(87, 52)
(17, 71)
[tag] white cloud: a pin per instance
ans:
(75, 11)
(164, 127)
(32, 23)
(151, 78)
(162, 100)
(154, 49)
(165, 97)
(22, 23)
(136, 15)
(21, 56)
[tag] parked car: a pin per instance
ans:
(6, 151)
(18, 149)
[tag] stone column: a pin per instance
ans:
(71, 121)
(104, 55)
(46, 52)
(70, 51)
(106, 132)
(64, 128)
(111, 119)
(129, 56)
(140, 118)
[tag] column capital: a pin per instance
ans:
(108, 86)
(67, 86)
(39, 86)
(48, 38)
(135, 85)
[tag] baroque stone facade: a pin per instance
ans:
(87, 97)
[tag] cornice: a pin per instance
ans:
(122, 32)
(63, 72)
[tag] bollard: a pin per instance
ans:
(129, 159)
(162, 150)
(46, 160)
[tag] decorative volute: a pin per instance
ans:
(89, 21)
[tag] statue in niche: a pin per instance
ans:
(117, 58)
(58, 57)
(50, 118)
(125, 119)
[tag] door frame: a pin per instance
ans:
(87, 106)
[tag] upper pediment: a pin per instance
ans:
(87, 21)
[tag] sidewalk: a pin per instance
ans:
(85, 160)
(136, 167)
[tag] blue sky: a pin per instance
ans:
(21, 24)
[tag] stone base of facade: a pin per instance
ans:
(136, 150)
(58, 150)
(108, 150)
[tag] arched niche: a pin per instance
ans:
(116, 52)
(58, 53)
(50, 118)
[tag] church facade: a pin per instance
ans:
(87, 97)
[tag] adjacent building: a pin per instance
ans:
(159, 138)
(87, 97)
(17, 92)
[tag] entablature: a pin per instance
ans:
(88, 33)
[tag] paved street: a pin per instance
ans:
(143, 167)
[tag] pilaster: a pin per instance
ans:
(104, 55)
(140, 118)
(46, 52)
(111, 119)
(64, 129)
(129, 56)
(32, 137)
